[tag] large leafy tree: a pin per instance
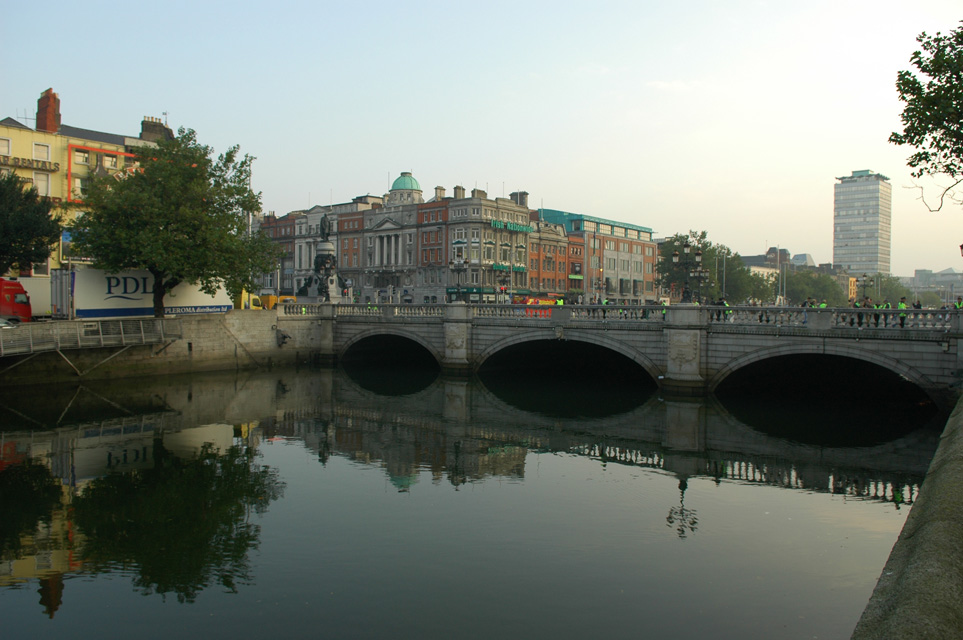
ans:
(933, 112)
(181, 215)
(29, 227)
(724, 272)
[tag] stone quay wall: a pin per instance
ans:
(920, 590)
(239, 339)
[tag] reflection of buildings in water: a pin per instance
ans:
(76, 456)
(46, 554)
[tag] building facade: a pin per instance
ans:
(862, 217)
(618, 259)
(59, 160)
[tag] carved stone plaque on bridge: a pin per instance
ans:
(684, 349)
(456, 342)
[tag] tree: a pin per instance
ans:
(933, 112)
(726, 274)
(183, 524)
(179, 215)
(28, 227)
(801, 285)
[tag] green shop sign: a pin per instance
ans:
(511, 226)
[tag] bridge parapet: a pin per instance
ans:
(838, 318)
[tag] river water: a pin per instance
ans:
(308, 503)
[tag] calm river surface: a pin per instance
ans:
(307, 504)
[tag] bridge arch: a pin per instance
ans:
(618, 346)
(828, 349)
(398, 332)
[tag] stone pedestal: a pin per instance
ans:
(457, 335)
(685, 334)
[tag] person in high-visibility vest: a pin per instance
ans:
(902, 316)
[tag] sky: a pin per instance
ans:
(733, 117)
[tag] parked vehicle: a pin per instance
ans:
(269, 301)
(93, 293)
(6, 324)
(14, 301)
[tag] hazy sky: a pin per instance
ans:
(733, 117)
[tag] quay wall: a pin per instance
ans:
(921, 587)
(239, 339)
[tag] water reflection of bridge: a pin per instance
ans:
(460, 429)
(453, 431)
(456, 429)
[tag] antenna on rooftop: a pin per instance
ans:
(165, 118)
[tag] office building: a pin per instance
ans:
(861, 223)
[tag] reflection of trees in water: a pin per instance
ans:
(183, 523)
(28, 496)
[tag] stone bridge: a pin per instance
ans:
(687, 349)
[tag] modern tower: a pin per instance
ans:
(862, 217)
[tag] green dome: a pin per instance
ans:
(405, 182)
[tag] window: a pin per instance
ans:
(41, 151)
(81, 156)
(80, 186)
(42, 182)
(5, 147)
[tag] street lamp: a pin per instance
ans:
(692, 269)
(458, 267)
(867, 281)
(700, 274)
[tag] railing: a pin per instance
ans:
(715, 316)
(838, 318)
(31, 337)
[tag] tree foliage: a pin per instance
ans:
(183, 524)
(29, 228)
(182, 216)
(801, 285)
(933, 112)
(726, 275)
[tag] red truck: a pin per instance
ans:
(14, 301)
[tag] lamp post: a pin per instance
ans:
(700, 274)
(458, 267)
(866, 281)
(691, 268)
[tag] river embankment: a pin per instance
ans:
(239, 339)
(920, 590)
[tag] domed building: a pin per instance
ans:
(404, 190)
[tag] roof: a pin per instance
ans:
(88, 134)
(405, 182)
(566, 218)
(10, 122)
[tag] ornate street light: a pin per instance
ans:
(867, 281)
(691, 268)
(458, 267)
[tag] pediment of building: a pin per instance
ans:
(386, 224)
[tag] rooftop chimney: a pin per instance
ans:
(459, 193)
(48, 112)
(154, 130)
(520, 198)
(439, 193)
